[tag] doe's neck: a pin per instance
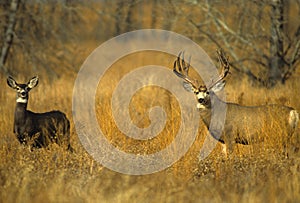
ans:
(21, 106)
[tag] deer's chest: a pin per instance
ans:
(24, 126)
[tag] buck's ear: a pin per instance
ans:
(11, 82)
(219, 86)
(33, 82)
(188, 87)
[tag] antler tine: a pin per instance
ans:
(177, 62)
(183, 70)
(185, 66)
(224, 64)
(223, 60)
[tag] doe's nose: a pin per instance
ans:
(23, 94)
(201, 100)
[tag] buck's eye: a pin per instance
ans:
(207, 92)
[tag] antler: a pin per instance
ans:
(223, 63)
(181, 69)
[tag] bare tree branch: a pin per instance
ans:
(9, 34)
(258, 29)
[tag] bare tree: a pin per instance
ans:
(129, 20)
(118, 16)
(124, 17)
(35, 36)
(254, 34)
(154, 13)
(9, 33)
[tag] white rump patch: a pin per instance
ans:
(293, 118)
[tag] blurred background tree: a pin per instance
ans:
(39, 35)
(262, 37)
(9, 32)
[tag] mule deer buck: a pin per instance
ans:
(243, 124)
(38, 129)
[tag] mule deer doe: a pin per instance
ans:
(38, 129)
(243, 124)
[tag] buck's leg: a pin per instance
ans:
(220, 139)
(229, 139)
(229, 144)
(224, 150)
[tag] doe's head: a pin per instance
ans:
(22, 89)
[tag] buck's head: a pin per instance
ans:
(202, 92)
(22, 89)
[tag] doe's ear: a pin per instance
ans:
(33, 82)
(219, 86)
(11, 82)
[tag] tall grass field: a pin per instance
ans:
(58, 37)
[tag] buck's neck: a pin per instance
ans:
(206, 110)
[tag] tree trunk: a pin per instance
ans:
(118, 17)
(128, 19)
(276, 62)
(154, 14)
(9, 33)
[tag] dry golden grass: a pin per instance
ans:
(256, 173)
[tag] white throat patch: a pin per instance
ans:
(21, 100)
(200, 106)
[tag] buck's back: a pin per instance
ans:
(254, 123)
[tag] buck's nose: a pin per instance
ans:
(23, 94)
(201, 100)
